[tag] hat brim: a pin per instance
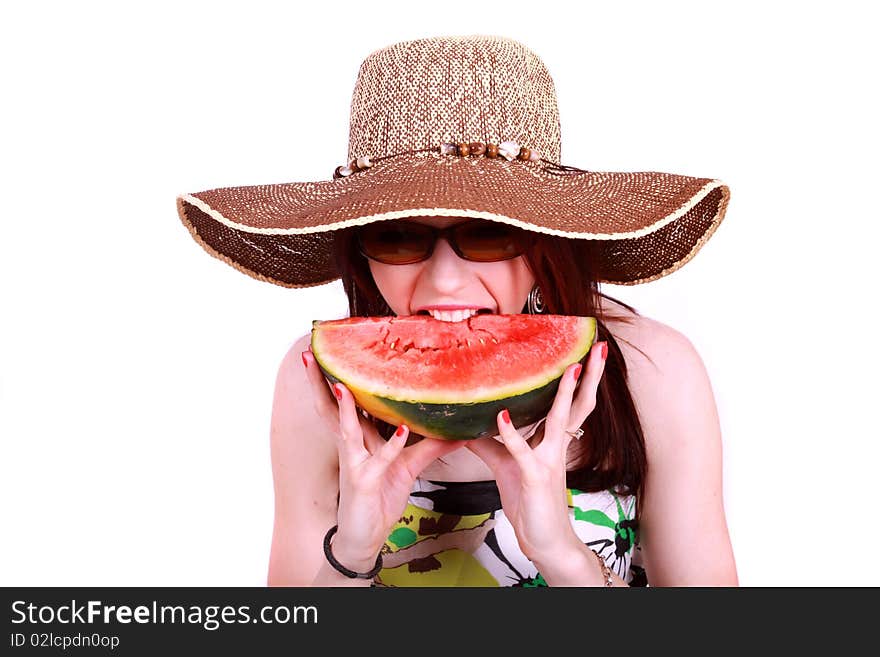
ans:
(648, 224)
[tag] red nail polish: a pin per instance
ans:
(577, 371)
(305, 362)
(604, 350)
(400, 430)
(505, 416)
(337, 391)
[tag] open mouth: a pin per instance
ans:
(455, 315)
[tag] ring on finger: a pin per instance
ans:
(576, 434)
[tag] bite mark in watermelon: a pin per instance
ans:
(451, 379)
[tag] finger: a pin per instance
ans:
(372, 439)
(352, 442)
(559, 416)
(392, 448)
(514, 442)
(585, 401)
(328, 406)
(324, 400)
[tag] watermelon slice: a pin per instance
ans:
(450, 379)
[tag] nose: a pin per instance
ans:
(444, 266)
(444, 254)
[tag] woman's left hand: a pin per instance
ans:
(531, 480)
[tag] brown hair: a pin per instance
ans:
(611, 454)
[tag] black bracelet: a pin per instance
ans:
(342, 569)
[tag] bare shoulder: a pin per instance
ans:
(297, 429)
(304, 470)
(292, 388)
(671, 390)
(684, 502)
(654, 352)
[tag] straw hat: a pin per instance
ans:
(426, 118)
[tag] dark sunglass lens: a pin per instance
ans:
(487, 241)
(395, 242)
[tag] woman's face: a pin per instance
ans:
(445, 279)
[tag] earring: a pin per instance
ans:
(535, 305)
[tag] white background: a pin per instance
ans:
(137, 372)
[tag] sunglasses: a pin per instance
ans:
(400, 242)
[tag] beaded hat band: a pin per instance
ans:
(457, 127)
(509, 150)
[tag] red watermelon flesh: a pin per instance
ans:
(450, 379)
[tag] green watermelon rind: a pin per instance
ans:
(467, 421)
(521, 386)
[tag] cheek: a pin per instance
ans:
(525, 279)
(395, 284)
(509, 283)
(518, 278)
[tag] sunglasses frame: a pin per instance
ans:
(449, 233)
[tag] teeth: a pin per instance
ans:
(452, 315)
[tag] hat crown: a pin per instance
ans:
(419, 94)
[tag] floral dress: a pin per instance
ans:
(456, 534)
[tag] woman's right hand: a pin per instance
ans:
(375, 476)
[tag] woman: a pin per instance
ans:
(637, 498)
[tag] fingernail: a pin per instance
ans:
(505, 416)
(577, 371)
(305, 361)
(400, 430)
(604, 350)
(337, 391)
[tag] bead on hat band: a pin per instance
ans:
(509, 150)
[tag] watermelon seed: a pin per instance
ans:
(494, 340)
(394, 343)
(482, 341)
